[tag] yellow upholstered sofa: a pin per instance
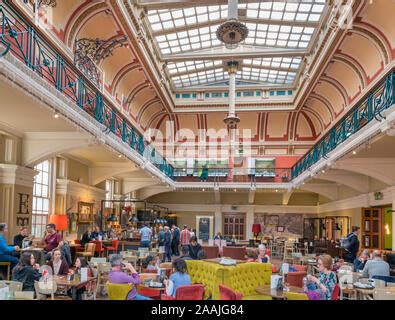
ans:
(244, 277)
(207, 273)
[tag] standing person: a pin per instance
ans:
(175, 241)
(167, 245)
(26, 271)
(118, 276)
(185, 236)
(161, 239)
(145, 240)
(352, 246)
(5, 250)
(194, 248)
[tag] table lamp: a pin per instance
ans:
(256, 229)
(60, 221)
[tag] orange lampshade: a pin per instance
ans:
(256, 228)
(60, 221)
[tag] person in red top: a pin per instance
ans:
(52, 238)
(185, 236)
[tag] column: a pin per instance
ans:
(218, 220)
(249, 222)
(232, 92)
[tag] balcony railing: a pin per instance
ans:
(237, 175)
(19, 38)
(371, 107)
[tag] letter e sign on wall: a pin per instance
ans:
(23, 203)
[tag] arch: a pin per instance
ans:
(121, 73)
(377, 37)
(74, 25)
(325, 102)
(317, 115)
(136, 90)
(338, 86)
(145, 106)
(354, 65)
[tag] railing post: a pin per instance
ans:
(113, 120)
(124, 131)
(81, 92)
(31, 48)
(59, 73)
(99, 108)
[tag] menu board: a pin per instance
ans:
(204, 228)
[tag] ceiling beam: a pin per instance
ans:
(312, 24)
(221, 53)
(174, 4)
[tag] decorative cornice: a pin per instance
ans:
(14, 174)
(69, 187)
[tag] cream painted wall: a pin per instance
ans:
(189, 218)
(354, 214)
(76, 170)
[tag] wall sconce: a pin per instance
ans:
(387, 229)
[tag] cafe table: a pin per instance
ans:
(74, 285)
(266, 290)
(218, 260)
(146, 286)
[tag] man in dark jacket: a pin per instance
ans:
(352, 246)
(175, 241)
(167, 245)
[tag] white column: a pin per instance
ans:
(393, 221)
(218, 220)
(232, 94)
(249, 222)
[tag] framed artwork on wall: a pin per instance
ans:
(85, 212)
(280, 229)
(271, 220)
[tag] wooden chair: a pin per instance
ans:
(103, 270)
(89, 251)
(289, 250)
(24, 295)
(8, 266)
(12, 285)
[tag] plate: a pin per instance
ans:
(363, 285)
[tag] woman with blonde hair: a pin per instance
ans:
(326, 281)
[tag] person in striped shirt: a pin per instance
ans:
(185, 236)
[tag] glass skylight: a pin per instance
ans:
(273, 25)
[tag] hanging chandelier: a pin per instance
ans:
(232, 32)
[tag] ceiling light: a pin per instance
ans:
(354, 152)
(234, 190)
(120, 156)
(56, 116)
(203, 189)
(323, 171)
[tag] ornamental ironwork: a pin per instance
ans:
(41, 3)
(89, 53)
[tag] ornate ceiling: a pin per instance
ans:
(135, 78)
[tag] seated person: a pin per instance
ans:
(19, 238)
(80, 262)
(185, 253)
(359, 263)
(150, 263)
(26, 271)
(97, 234)
(263, 255)
(194, 247)
(118, 276)
(376, 266)
(59, 266)
(178, 278)
(5, 250)
(87, 236)
(326, 282)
